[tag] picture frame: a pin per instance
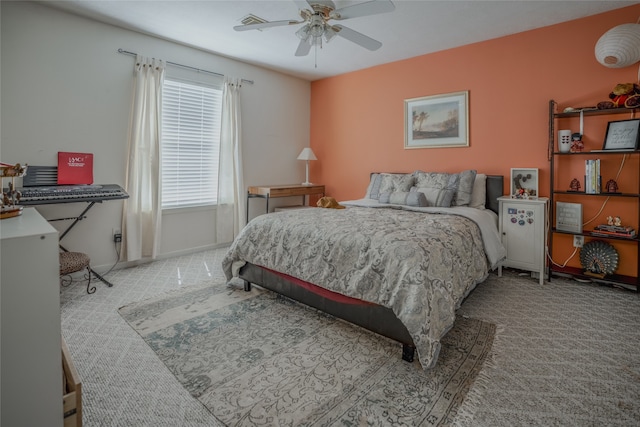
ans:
(437, 121)
(622, 135)
(569, 217)
(524, 183)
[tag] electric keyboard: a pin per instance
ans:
(70, 194)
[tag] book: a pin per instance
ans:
(592, 178)
(75, 168)
(613, 233)
(614, 228)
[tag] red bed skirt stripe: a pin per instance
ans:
(330, 295)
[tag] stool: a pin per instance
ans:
(71, 262)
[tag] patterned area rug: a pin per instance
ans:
(253, 358)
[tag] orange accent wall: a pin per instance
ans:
(357, 119)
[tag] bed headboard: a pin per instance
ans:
(495, 189)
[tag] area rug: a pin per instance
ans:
(257, 359)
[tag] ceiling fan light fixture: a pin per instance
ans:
(316, 26)
(303, 33)
(329, 33)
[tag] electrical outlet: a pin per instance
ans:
(578, 241)
(117, 235)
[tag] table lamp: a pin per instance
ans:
(307, 154)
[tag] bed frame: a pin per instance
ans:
(373, 317)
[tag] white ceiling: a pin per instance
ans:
(414, 28)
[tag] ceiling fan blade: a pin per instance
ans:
(356, 37)
(262, 25)
(373, 7)
(302, 4)
(303, 48)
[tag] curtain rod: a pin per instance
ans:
(124, 52)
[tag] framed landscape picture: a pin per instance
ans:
(437, 121)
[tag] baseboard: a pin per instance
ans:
(129, 264)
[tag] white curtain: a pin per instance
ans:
(230, 212)
(142, 210)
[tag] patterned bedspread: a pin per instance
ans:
(421, 265)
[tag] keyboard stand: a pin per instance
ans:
(76, 219)
(47, 176)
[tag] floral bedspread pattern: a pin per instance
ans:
(420, 265)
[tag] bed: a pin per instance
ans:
(398, 262)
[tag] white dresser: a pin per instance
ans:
(30, 352)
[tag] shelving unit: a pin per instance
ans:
(559, 191)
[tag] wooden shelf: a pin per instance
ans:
(595, 153)
(591, 233)
(582, 194)
(627, 282)
(595, 112)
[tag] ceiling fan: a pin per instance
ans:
(316, 15)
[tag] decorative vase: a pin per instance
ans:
(564, 140)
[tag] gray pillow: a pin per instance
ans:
(435, 197)
(462, 196)
(408, 198)
(388, 183)
(439, 188)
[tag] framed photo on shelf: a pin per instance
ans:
(622, 135)
(569, 217)
(524, 183)
(437, 121)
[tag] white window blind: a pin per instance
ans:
(191, 117)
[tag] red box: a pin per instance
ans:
(75, 168)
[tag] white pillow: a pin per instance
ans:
(479, 192)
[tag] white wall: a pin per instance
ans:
(66, 88)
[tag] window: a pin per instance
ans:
(191, 116)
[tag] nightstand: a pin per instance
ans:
(523, 230)
(272, 191)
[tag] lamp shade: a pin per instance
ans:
(307, 154)
(619, 47)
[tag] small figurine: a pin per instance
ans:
(576, 143)
(523, 193)
(575, 185)
(612, 186)
(16, 170)
(617, 221)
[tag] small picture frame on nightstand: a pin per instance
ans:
(524, 183)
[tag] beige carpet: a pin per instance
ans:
(256, 359)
